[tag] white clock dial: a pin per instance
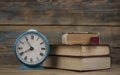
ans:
(31, 48)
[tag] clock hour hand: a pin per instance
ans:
(31, 49)
(24, 52)
(27, 51)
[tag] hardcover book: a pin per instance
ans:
(77, 63)
(80, 50)
(80, 38)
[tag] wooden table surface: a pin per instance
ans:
(13, 70)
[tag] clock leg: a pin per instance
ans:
(24, 67)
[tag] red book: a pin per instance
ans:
(94, 40)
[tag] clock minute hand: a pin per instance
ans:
(28, 41)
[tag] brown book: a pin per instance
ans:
(77, 63)
(80, 50)
(80, 38)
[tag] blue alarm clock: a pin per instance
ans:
(31, 49)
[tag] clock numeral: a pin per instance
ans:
(21, 53)
(32, 37)
(37, 58)
(20, 48)
(41, 54)
(42, 48)
(37, 39)
(31, 60)
(25, 58)
(41, 43)
(21, 42)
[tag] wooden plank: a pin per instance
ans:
(61, 17)
(115, 55)
(63, 12)
(53, 33)
(13, 71)
(115, 34)
(63, 4)
(8, 59)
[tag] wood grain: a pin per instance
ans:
(53, 33)
(13, 70)
(63, 12)
(61, 17)
(115, 55)
(115, 36)
(55, 17)
(63, 4)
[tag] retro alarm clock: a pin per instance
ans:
(31, 49)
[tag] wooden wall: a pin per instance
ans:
(63, 12)
(55, 17)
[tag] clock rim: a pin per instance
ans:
(43, 37)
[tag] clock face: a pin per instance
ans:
(31, 49)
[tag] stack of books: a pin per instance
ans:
(79, 52)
